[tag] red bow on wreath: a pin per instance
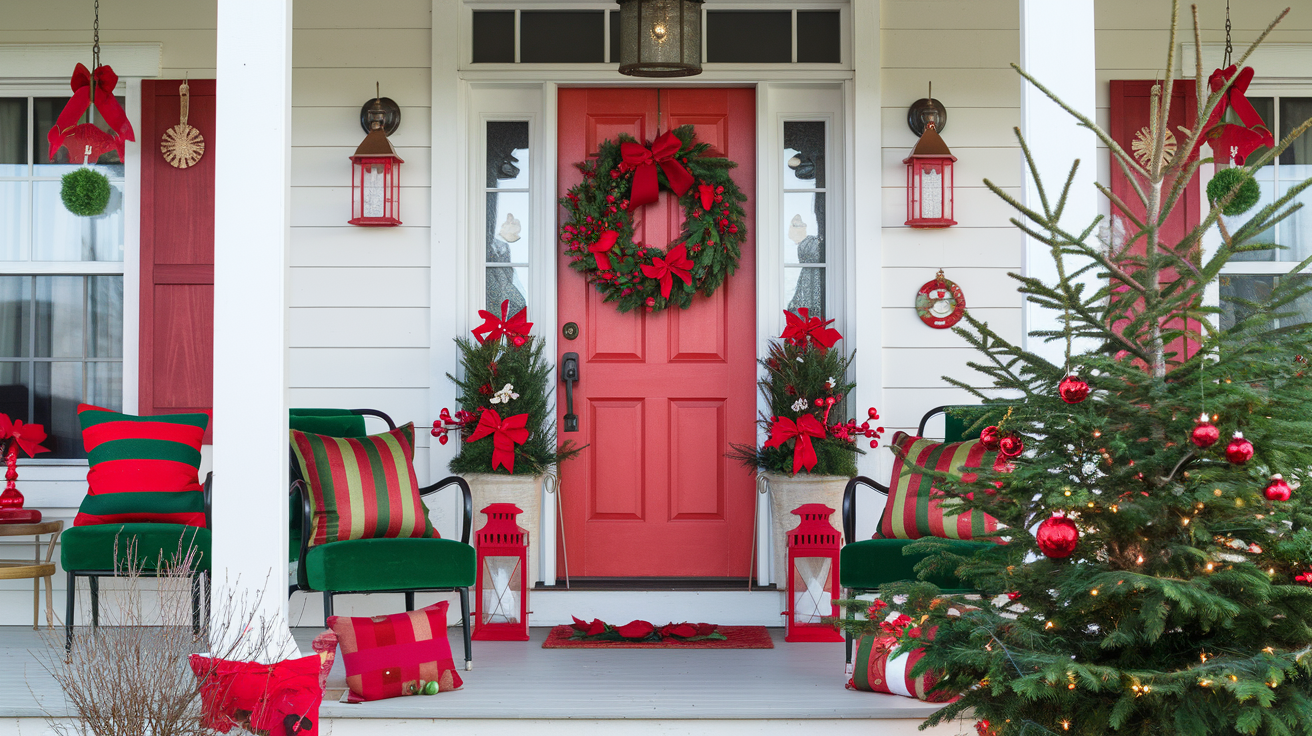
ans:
(1230, 141)
(643, 161)
(104, 80)
(802, 326)
(505, 435)
(493, 328)
(802, 430)
(601, 248)
(675, 263)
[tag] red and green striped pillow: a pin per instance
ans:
(915, 508)
(143, 469)
(362, 487)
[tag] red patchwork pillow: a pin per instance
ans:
(400, 654)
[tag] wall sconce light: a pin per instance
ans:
(375, 167)
(929, 167)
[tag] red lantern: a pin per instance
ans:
(501, 591)
(812, 575)
(929, 182)
(376, 177)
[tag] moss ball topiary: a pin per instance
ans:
(85, 192)
(1224, 181)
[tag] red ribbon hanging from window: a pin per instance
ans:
(643, 162)
(506, 433)
(104, 80)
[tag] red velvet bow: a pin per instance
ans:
(1228, 138)
(643, 161)
(803, 326)
(802, 430)
(505, 435)
(601, 248)
(493, 328)
(105, 80)
(26, 436)
(707, 194)
(675, 263)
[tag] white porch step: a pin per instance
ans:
(726, 607)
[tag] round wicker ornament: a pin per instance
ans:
(182, 145)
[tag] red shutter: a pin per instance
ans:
(1130, 107)
(177, 257)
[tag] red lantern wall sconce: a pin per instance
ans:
(929, 167)
(375, 167)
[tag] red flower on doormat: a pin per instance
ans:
(642, 631)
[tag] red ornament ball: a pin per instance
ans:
(1057, 537)
(1011, 446)
(1278, 489)
(1240, 450)
(1072, 389)
(989, 437)
(1205, 434)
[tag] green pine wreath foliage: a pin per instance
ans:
(1240, 181)
(488, 367)
(713, 238)
(85, 192)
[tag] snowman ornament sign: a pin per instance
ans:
(940, 303)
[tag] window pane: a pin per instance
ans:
(45, 111)
(105, 317)
(15, 390)
(13, 136)
(58, 388)
(806, 227)
(817, 37)
(615, 36)
(504, 282)
(507, 154)
(804, 154)
(1266, 183)
(105, 385)
(15, 316)
(60, 235)
(805, 287)
(1257, 288)
(507, 227)
(561, 36)
(1295, 231)
(13, 213)
(494, 37)
(1293, 112)
(59, 317)
(1266, 108)
(749, 36)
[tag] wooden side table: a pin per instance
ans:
(35, 568)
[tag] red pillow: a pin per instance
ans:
(390, 656)
(281, 698)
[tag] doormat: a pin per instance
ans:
(736, 637)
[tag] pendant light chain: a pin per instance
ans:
(1228, 48)
(95, 39)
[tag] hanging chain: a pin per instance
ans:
(95, 40)
(1228, 48)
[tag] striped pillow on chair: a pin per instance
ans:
(915, 508)
(143, 469)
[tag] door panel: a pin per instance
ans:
(660, 396)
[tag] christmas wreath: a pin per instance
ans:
(598, 234)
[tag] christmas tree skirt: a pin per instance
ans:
(736, 637)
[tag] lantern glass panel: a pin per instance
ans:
(811, 589)
(374, 189)
(502, 586)
(931, 189)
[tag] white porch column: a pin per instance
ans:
(252, 202)
(1057, 48)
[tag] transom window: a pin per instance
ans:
(61, 281)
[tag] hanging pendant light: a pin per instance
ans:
(660, 38)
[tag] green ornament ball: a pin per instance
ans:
(85, 192)
(1244, 199)
(430, 688)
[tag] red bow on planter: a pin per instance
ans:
(802, 430)
(643, 162)
(104, 80)
(493, 328)
(802, 326)
(505, 435)
(1230, 141)
(675, 263)
(601, 248)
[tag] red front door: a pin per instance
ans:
(660, 396)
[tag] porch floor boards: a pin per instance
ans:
(521, 680)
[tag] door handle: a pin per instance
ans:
(569, 373)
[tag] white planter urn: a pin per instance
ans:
(525, 491)
(787, 492)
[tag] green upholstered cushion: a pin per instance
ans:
(390, 564)
(954, 428)
(331, 422)
(92, 547)
(870, 563)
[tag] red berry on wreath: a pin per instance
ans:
(1057, 537)
(1240, 450)
(1205, 434)
(1278, 489)
(719, 190)
(990, 437)
(651, 302)
(1072, 389)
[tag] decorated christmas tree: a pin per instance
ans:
(1153, 573)
(505, 423)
